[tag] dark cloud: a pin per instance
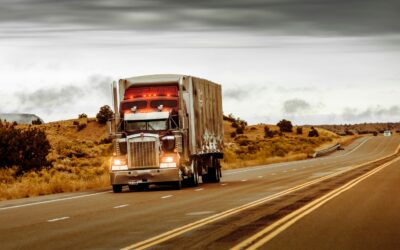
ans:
(294, 106)
(350, 114)
(306, 17)
(240, 93)
(56, 99)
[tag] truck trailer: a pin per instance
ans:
(167, 129)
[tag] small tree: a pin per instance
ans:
(37, 122)
(104, 114)
(83, 115)
(285, 126)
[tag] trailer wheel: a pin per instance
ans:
(117, 188)
(194, 179)
(214, 173)
(204, 178)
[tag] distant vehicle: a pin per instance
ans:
(167, 129)
(387, 133)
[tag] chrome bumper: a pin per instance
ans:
(145, 176)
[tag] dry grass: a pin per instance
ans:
(80, 161)
(80, 156)
(252, 148)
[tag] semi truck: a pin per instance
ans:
(167, 129)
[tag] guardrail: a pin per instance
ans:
(326, 151)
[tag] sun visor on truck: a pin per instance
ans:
(146, 116)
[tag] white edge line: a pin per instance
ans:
(58, 219)
(199, 189)
(51, 201)
(167, 196)
(121, 206)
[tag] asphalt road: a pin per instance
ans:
(104, 220)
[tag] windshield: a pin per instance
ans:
(146, 125)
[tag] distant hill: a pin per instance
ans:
(20, 118)
(363, 128)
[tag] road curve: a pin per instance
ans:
(103, 220)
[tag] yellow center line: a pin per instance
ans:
(268, 233)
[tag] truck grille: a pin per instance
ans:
(143, 154)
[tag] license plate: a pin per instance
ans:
(134, 182)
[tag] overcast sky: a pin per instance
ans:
(314, 61)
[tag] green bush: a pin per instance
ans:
(83, 115)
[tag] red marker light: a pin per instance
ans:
(168, 94)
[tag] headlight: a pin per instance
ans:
(167, 159)
(119, 163)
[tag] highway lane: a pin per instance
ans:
(366, 216)
(113, 221)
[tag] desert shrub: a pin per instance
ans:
(285, 126)
(81, 126)
(375, 133)
(37, 122)
(268, 133)
(27, 149)
(233, 134)
(313, 132)
(244, 142)
(348, 132)
(235, 124)
(239, 130)
(83, 115)
(229, 118)
(299, 130)
(75, 123)
(104, 114)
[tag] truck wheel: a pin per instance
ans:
(177, 185)
(205, 178)
(117, 188)
(213, 175)
(133, 188)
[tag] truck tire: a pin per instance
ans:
(177, 185)
(117, 188)
(193, 181)
(133, 188)
(213, 175)
(214, 171)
